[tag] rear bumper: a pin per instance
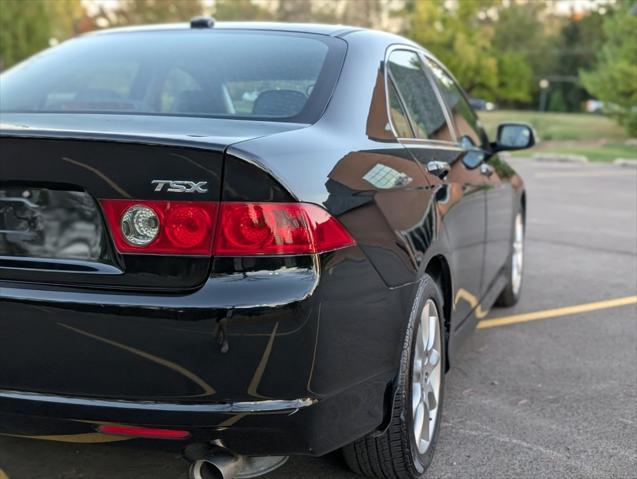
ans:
(304, 426)
(274, 361)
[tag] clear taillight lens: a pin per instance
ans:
(139, 225)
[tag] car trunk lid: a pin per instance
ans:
(55, 169)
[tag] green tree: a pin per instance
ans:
(229, 10)
(137, 12)
(461, 38)
(25, 29)
(294, 11)
(574, 49)
(520, 44)
(614, 78)
(64, 17)
(515, 78)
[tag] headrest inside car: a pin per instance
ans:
(279, 103)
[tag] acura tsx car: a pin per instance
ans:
(247, 240)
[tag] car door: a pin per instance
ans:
(487, 170)
(459, 191)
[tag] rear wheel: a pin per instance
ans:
(406, 448)
(515, 266)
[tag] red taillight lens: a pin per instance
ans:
(143, 432)
(177, 227)
(243, 229)
(277, 228)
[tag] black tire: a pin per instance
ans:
(393, 454)
(509, 295)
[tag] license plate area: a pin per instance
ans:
(51, 224)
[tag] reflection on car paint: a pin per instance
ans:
(206, 388)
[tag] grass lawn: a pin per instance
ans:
(597, 137)
(558, 126)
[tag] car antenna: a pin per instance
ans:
(202, 22)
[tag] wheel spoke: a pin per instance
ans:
(416, 397)
(432, 362)
(432, 400)
(424, 327)
(419, 421)
(433, 320)
(429, 397)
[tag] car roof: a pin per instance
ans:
(314, 28)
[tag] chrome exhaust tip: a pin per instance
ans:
(221, 463)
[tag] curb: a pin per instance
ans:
(559, 158)
(626, 162)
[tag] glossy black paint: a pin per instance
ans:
(240, 333)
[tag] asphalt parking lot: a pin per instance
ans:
(548, 395)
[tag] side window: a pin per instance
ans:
(418, 95)
(398, 116)
(470, 131)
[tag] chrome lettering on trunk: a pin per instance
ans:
(175, 186)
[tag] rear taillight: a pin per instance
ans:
(247, 229)
(161, 227)
(242, 229)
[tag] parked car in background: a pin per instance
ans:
(252, 240)
(481, 105)
(594, 106)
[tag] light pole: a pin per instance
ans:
(544, 88)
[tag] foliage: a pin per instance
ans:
(520, 44)
(232, 10)
(64, 17)
(498, 49)
(574, 49)
(459, 38)
(614, 79)
(515, 77)
(28, 26)
(25, 28)
(136, 12)
(557, 102)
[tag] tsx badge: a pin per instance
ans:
(175, 186)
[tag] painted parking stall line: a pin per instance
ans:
(555, 313)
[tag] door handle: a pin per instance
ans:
(438, 168)
(486, 170)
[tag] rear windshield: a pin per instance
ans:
(222, 74)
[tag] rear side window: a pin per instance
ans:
(469, 130)
(237, 74)
(418, 95)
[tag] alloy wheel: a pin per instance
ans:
(426, 377)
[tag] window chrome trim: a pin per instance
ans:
(421, 141)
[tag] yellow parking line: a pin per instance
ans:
(554, 313)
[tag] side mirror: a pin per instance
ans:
(514, 136)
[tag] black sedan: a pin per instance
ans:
(252, 240)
